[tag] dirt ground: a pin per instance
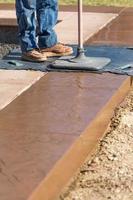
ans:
(109, 175)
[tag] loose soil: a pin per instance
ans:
(109, 175)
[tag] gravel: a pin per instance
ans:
(6, 48)
(109, 175)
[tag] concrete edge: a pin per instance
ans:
(110, 21)
(83, 147)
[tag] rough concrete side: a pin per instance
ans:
(109, 174)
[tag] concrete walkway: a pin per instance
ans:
(46, 133)
(13, 83)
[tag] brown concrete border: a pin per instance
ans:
(7, 6)
(87, 8)
(84, 146)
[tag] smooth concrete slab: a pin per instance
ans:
(41, 125)
(93, 22)
(13, 83)
(8, 17)
(6, 14)
(119, 32)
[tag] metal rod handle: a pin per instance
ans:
(80, 24)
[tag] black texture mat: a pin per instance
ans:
(13, 61)
(121, 60)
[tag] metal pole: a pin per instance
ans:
(80, 24)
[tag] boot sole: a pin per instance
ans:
(24, 58)
(51, 54)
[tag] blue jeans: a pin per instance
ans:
(46, 12)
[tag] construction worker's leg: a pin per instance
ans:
(47, 12)
(25, 11)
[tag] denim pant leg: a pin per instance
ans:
(25, 11)
(47, 13)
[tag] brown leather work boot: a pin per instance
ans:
(34, 56)
(57, 50)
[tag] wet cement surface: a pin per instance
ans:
(40, 125)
